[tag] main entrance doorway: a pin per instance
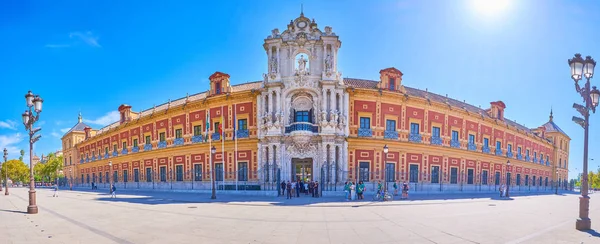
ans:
(302, 169)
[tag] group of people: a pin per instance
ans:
(356, 191)
(502, 190)
(294, 188)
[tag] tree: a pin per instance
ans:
(22, 154)
(50, 170)
(16, 169)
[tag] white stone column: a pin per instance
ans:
(278, 61)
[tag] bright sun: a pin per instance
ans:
(490, 7)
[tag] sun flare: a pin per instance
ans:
(490, 7)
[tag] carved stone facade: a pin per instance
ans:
(303, 102)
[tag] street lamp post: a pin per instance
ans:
(385, 152)
(580, 67)
(110, 179)
(5, 173)
(34, 104)
(70, 179)
(1, 171)
(508, 176)
(556, 188)
(213, 150)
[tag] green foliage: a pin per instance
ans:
(50, 170)
(22, 154)
(16, 169)
(593, 179)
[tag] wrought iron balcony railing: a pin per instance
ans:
(436, 140)
(535, 160)
(178, 141)
(162, 144)
(135, 149)
(509, 154)
(541, 160)
(485, 149)
(527, 158)
(519, 157)
(124, 151)
(114, 153)
(455, 143)
(93, 158)
(498, 152)
(242, 133)
(365, 132)
(415, 137)
(301, 126)
(390, 134)
(216, 136)
(105, 155)
(472, 147)
(148, 147)
(197, 139)
(81, 161)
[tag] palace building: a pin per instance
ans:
(304, 121)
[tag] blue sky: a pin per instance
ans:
(93, 56)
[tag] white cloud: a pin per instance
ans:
(10, 143)
(57, 45)
(55, 134)
(64, 130)
(105, 120)
(8, 124)
(88, 37)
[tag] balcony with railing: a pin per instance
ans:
(215, 136)
(527, 158)
(485, 149)
(365, 132)
(472, 147)
(81, 161)
(147, 147)
(135, 149)
(390, 134)
(197, 139)
(436, 140)
(509, 154)
(106, 155)
(301, 126)
(87, 159)
(415, 137)
(498, 151)
(519, 157)
(455, 143)
(114, 153)
(178, 141)
(242, 133)
(541, 160)
(535, 160)
(124, 151)
(162, 144)
(93, 158)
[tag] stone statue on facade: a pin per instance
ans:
(328, 63)
(273, 65)
(302, 64)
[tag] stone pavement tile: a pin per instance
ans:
(370, 234)
(344, 236)
(312, 236)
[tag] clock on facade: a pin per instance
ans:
(302, 24)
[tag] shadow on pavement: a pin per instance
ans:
(592, 233)
(13, 211)
(165, 197)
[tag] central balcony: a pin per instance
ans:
(301, 126)
(436, 140)
(390, 135)
(415, 137)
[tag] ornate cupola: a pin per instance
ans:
(496, 110)
(125, 112)
(219, 84)
(390, 79)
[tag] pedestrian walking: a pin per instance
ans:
(55, 190)
(283, 188)
(306, 188)
(347, 190)
(352, 191)
(395, 189)
(311, 188)
(298, 188)
(405, 190)
(113, 193)
(360, 190)
(289, 190)
(316, 190)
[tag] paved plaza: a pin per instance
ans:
(165, 217)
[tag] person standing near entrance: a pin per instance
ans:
(282, 188)
(289, 190)
(360, 190)
(311, 188)
(404, 190)
(352, 191)
(306, 188)
(316, 190)
(347, 190)
(298, 188)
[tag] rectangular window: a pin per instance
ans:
(87, 178)
(470, 173)
(243, 171)
(106, 150)
(508, 178)
(301, 116)
(179, 172)
(435, 174)
(435, 132)
(484, 177)
(125, 176)
(498, 145)
(197, 130)
(219, 171)
(518, 179)
(453, 175)
(197, 172)
(535, 155)
(526, 180)
(178, 133)
(163, 174)
(161, 136)
(414, 128)
(471, 139)
(242, 124)
(148, 174)
(390, 125)
(115, 148)
(148, 140)
(100, 177)
(527, 152)
(455, 135)
(135, 142)
(124, 145)
(486, 142)
(106, 175)
(218, 88)
(136, 175)
(390, 172)
(509, 148)
(533, 181)
(497, 180)
(547, 159)
(519, 150)
(364, 174)
(115, 176)
(414, 173)
(216, 128)
(392, 84)
(365, 123)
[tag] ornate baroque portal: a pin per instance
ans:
(303, 106)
